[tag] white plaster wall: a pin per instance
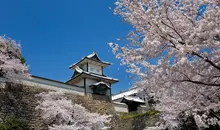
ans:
(88, 83)
(80, 83)
(95, 69)
(84, 67)
(109, 92)
(47, 84)
(120, 107)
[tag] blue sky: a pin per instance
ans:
(54, 34)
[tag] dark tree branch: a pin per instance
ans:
(206, 59)
(198, 82)
(213, 114)
(174, 28)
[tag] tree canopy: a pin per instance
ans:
(61, 113)
(12, 64)
(183, 37)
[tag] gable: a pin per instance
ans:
(95, 57)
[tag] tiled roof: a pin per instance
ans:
(126, 93)
(134, 98)
(80, 71)
(92, 57)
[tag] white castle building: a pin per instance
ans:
(89, 74)
(129, 101)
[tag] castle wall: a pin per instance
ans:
(108, 92)
(84, 67)
(95, 69)
(49, 84)
(88, 83)
(120, 107)
(80, 83)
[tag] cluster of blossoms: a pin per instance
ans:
(61, 114)
(12, 64)
(175, 52)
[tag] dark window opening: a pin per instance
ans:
(100, 90)
(132, 106)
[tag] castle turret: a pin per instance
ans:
(89, 74)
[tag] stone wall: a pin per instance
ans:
(19, 101)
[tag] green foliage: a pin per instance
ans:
(14, 124)
(152, 113)
(23, 61)
(135, 115)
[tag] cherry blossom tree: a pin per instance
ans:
(175, 52)
(12, 64)
(61, 114)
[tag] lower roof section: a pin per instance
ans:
(99, 84)
(126, 93)
(132, 99)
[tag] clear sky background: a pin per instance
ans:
(57, 33)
